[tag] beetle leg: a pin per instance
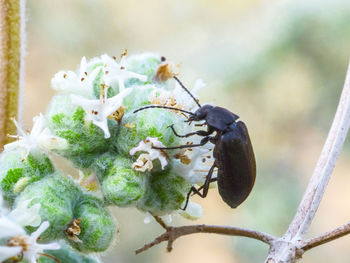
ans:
(192, 190)
(212, 180)
(200, 133)
(203, 141)
(200, 124)
(205, 187)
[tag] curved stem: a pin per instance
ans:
(288, 248)
(324, 167)
(172, 233)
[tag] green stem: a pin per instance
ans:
(11, 64)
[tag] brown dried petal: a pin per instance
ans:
(165, 71)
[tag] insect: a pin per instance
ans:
(233, 151)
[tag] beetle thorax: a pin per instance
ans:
(202, 112)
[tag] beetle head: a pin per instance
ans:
(201, 113)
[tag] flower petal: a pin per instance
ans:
(193, 211)
(26, 216)
(42, 228)
(8, 252)
(144, 162)
(99, 110)
(50, 246)
(9, 228)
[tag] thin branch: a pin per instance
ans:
(326, 237)
(324, 168)
(156, 241)
(173, 233)
(161, 222)
(288, 248)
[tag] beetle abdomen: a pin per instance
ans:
(236, 164)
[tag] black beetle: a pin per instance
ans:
(233, 151)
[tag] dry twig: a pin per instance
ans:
(288, 247)
(326, 237)
(172, 233)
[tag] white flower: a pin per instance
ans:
(26, 216)
(34, 249)
(114, 71)
(193, 211)
(81, 83)
(144, 162)
(20, 242)
(9, 228)
(98, 110)
(147, 218)
(30, 248)
(48, 142)
(8, 252)
(39, 137)
(22, 215)
(71, 82)
(194, 164)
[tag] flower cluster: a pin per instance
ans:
(91, 122)
(15, 243)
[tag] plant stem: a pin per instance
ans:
(324, 167)
(326, 237)
(288, 249)
(12, 39)
(172, 233)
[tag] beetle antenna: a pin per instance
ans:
(183, 86)
(163, 107)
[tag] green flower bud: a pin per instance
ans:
(97, 226)
(102, 164)
(144, 64)
(18, 170)
(138, 97)
(164, 193)
(121, 185)
(149, 123)
(56, 195)
(85, 140)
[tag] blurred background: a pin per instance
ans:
(279, 65)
